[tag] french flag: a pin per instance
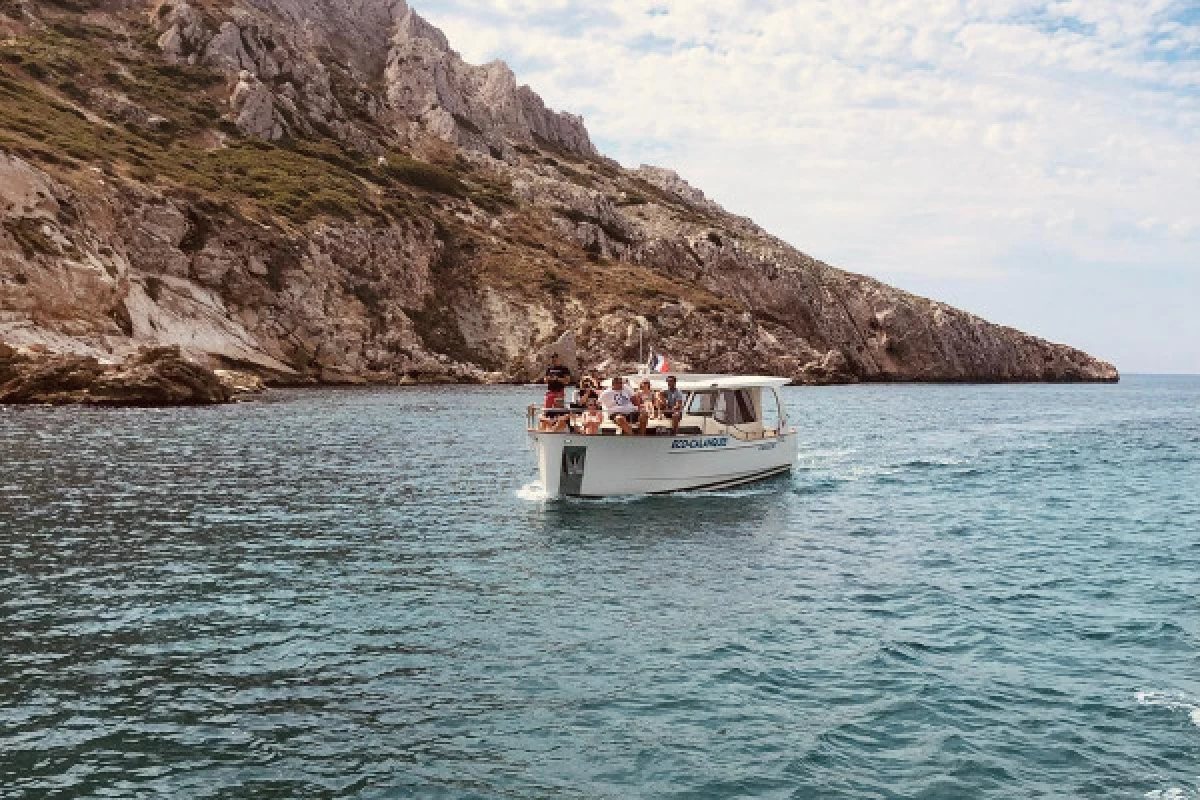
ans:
(658, 363)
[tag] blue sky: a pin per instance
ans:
(1035, 163)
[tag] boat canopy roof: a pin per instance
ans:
(691, 382)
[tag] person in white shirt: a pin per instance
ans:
(618, 403)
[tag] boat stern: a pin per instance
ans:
(548, 451)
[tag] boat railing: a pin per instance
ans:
(708, 426)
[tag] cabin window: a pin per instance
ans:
(734, 407)
(727, 406)
(701, 403)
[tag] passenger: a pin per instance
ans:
(589, 386)
(644, 400)
(673, 404)
(555, 417)
(593, 418)
(618, 403)
(660, 404)
(557, 378)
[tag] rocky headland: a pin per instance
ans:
(158, 376)
(323, 191)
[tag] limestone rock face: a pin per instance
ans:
(480, 108)
(352, 202)
(560, 129)
(270, 49)
(254, 107)
(184, 35)
(669, 181)
(132, 269)
(357, 30)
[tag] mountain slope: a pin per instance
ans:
(324, 190)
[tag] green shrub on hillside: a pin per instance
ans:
(424, 175)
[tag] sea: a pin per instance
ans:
(959, 592)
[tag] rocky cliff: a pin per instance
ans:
(323, 190)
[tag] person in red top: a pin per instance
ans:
(557, 377)
(555, 416)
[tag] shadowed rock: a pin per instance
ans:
(155, 377)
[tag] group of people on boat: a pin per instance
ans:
(630, 409)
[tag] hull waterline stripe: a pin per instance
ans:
(725, 484)
(722, 484)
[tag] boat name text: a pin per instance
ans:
(691, 444)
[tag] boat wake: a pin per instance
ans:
(1174, 793)
(1172, 701)
(532, 492)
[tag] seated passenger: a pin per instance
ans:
(673, 404)
(593, 418)
(660, 404)
(588, 388)
(555, 416)
(644, 400)
(618, 403)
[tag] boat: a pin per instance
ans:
(733, 431)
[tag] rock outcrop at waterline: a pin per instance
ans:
(324, 191)
(156, 377)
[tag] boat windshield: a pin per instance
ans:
(726, 406)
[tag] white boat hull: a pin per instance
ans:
(602, 466)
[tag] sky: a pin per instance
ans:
(1036, 163)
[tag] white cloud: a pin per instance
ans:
(931, 143)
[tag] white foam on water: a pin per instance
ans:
(532, 492)
(943, 461)
(611, 500)
(861, 471)
(1172, 701)
(842, 453)
(1174, 793)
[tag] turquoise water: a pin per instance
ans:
(960, 592)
